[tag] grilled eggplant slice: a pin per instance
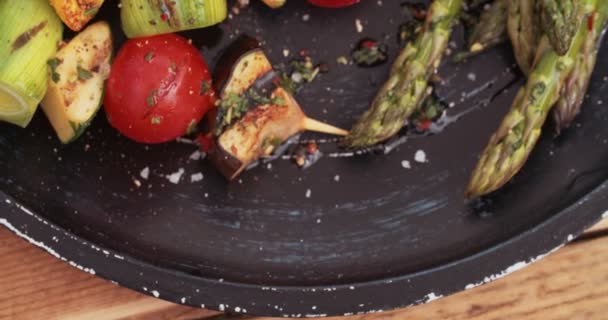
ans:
(255, 114)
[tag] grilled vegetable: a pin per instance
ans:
(516, 137)
(274, 3)
(491, 28)
(76, 13)
(524, 30)
(255, 114)
(558, 22)
(151, 17)
(76, 81)
(573, 92)
(29, 34)
(407, 85)
(158, 90)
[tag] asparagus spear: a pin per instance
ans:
(489, 31)
(558, 22)
(524, 30)
(573, 92)
(511, 145)
(407, 85)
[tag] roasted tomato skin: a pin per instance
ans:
(333, 3)
(159, 88)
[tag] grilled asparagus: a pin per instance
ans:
(407, 85)
(516, 137)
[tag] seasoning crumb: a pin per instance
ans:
(471, 76)
(305, 17)
(342, 60)
(176, 176)
(337, 178)
(137, 182)
(285, 53)
(406, 164)
(196, 177)
(420, 156)
(358, 25)
(308, 193)
(145, 173)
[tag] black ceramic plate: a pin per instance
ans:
(348, 235)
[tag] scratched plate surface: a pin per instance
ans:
(344, 221)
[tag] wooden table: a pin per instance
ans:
(569, 284)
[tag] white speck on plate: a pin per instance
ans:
(196, 177)
(176, 176)
(359, 25)
(237, 309)
(605, 215)
(305, 17)
(319, 220)
(285, 53)
(155, 293)
(337, 178)
(406, 164)
(221, 307)
(183, 300)
(420, 156)
(570, 238)
(196, 155)
(432, 297)
(308, 193)
(471, 76)
(145, 173)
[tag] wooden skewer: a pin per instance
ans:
(318, 126)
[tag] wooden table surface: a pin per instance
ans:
(569, 284)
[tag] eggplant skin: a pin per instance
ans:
(248, 139)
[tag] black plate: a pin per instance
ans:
(348, 235)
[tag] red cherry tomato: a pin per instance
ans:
(159, 88)
(333, 3)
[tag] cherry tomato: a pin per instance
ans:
(159, 88)
(333, 3)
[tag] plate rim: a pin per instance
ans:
(400, 291)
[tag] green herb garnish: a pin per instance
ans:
(91, 12)
(53, 64)
(83, 74)
(205, 86)
(149, 56)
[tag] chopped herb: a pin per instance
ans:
(191, 127)
(53, 64)
(83, 74)
(205, 86)
(91, 12)
(430, 110)
(156, 120)
(369, 53)
(288, 84)
(149, 56)
(230, 108)
(151, 99)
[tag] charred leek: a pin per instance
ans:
(29, 34)
(151, 17)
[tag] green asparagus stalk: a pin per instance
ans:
(511, 145)
(491, 28)
(407, 85)
(573, 92)
(524, 30)
(558, 22)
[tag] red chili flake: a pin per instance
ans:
(312, 148)
(164, 17)
(424, 125)
(369, 44)
(205, 142)
(591, 22)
